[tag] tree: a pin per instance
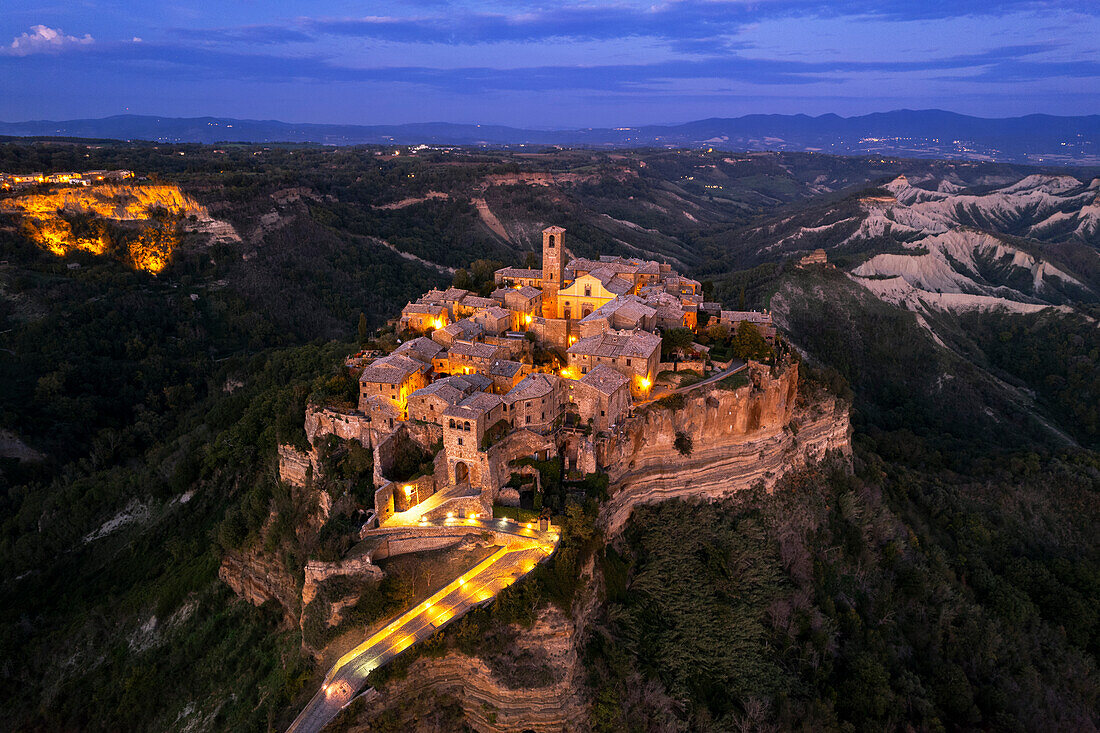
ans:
(531, 261)
(675, 340)
(748, 343)
(362, 328)
(741, 299)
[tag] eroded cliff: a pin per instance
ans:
(756, 433)
(537, 686)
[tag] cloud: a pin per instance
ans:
(134, 59)
(43, 39)
(261, 35)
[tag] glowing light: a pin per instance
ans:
(527, 319)
(439, 323)
(150, 251)
(408, 491)
(644, 382)
(450, 515)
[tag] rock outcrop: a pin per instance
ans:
(257, 579)
(490, 705)
(737, 438)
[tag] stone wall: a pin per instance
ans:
(739, 438)
(384, 501)
(517, 444)
(552, 331)
(317, 572)
(322, 421)
(695, 365)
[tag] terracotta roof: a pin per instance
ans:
(532, 387)
(392, 369)
(519, 272)
(464, 329)
(441, 389)
(605, 380)
(474, 406)
(504, 368)
(432, 309)
(630, 306)
(455, 294)
(494, 311)
(618, 343)
(422, 349)
(474, 350)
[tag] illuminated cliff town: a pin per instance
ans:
(552, 363)
(135, 221)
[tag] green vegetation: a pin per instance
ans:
(810, 608)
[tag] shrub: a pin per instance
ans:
(684, 443)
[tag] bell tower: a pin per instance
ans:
(553, 269)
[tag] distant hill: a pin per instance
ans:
(908, 133)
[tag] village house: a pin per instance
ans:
(627, 312)
(634, 354)
(602, 397)
(423, 317)
(495, 320)
(463, 433)
(513, 277)
(536, 402)
(392, 378)
(422, 348)
(464, 330)
(762, 321)
(506, 374)
(429, 403)
(466, 357)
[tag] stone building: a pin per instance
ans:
(463, 432)
(423, 317)
(506, 374)
(422, 348)
(495, 320)
(429, 403)
(471, 304)
(463, 330)
(525, 302)
(602, 397)
(634, 354)
(624, 313)
(553, 269)
(512, 277)
(392, 378)
(466, 357)
(762, 321)
(536, 402)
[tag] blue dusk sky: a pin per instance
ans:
(544, 64)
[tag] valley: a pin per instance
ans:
(886, 519)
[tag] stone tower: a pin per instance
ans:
(553, 268)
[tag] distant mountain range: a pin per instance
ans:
(1038, 139)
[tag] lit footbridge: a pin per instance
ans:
(527, 545)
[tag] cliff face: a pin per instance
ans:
(257, 579)
(755, 433)
(488, 703)
(145, 205)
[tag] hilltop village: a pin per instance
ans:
(481, 382)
